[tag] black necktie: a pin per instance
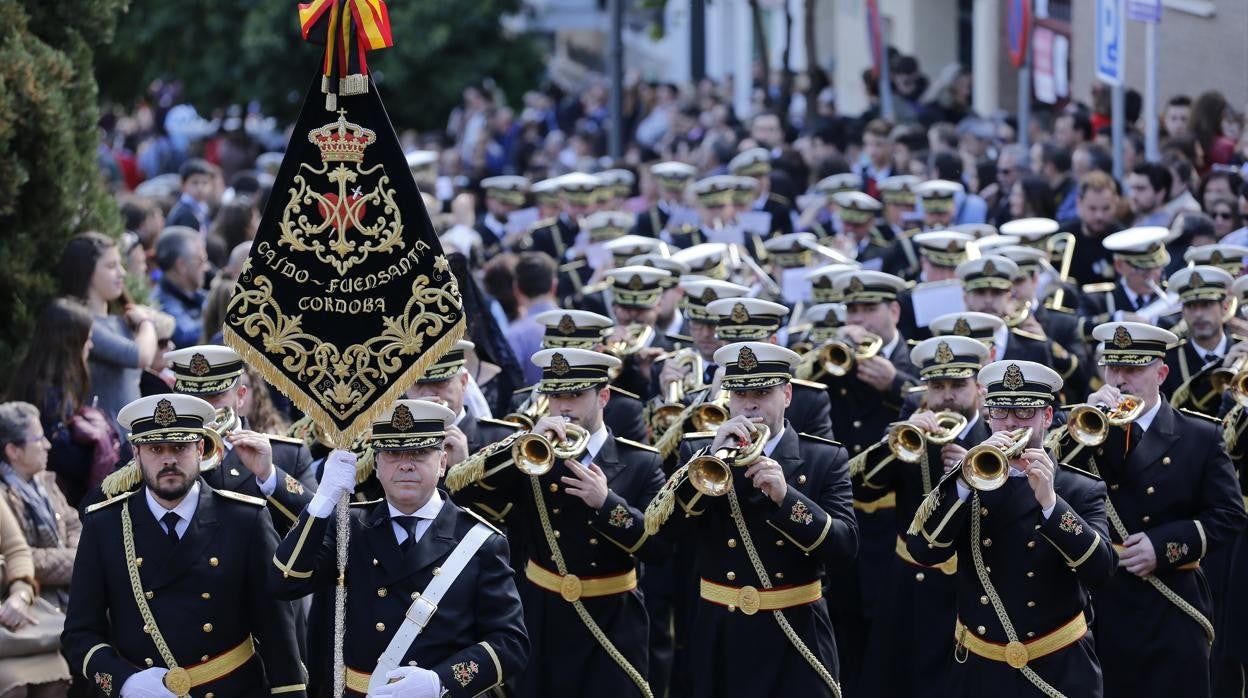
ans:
(170, 520)
(409, 524)
(1141, 301)
(1211, 358)
(708, 374)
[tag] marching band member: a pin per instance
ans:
(431, 606)
(1203, 292)
(275, 469)
(763, 546)
(1173, 497)
(580, 521)
(910, 650)
(169, 577)
(671, 178)
(1019, 524)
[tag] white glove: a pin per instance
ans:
(413, 682)
(337, 479)
(149, 683)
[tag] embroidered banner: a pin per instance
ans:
(346, 297)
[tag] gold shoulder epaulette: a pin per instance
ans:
(1200, 415)
(1063, 309)
(910, 232)
(543, 223)
(1099, 287)
(481, 518)
(678, 337)
(635, 444)
(698, 435)
(244, 498)
(778, 198)
(820, 439)
(1081, 471)
(572, 266)
(525, 389)
(1028, 335)
(499, 422)
(112, 500)
(623, 392)
(285, 439)
(808, 384)
(368, 503)
(917, 389)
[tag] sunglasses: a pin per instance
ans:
(1222, 215)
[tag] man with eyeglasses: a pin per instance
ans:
(1173, 497)
(431, 606)
(1030, 541)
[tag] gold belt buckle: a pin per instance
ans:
(1016, 654)
(748, 600)
(570, 588)
(178, 681)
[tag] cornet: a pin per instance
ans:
(533, 409)
(224, 421)
(535, 454)
(986, 467)
(667, 414)
(1234, 378)
(1089, 424)
(908, 442)
(837, 358)
(636, 337)
(712, 474)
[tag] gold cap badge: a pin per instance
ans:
(165, 414)
(199, 365)
(739, 314)
(566, 326)
(402, 419)
(944, 354)
(1122, 338)
(746, 360)
(559, 365)
(1013, 378)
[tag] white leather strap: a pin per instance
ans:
(425, 604)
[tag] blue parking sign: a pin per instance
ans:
(1110, 40)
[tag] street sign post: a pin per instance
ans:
(1110, 41)
(1148, 12)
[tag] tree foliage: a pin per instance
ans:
(50, 186)
(237, 51)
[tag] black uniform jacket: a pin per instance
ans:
(1029, 560)
(206, 594)
(474, 641)
(811, 531)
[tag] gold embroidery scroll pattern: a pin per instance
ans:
(342, 212)
(344, 378)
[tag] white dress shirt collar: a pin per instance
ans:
(185, 509)
(1146, 420)
(426, 514)
(773, 442)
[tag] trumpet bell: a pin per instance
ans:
(710, 476)
(1087, 425)
(907, 443)
(214, 450)
(837, 358)
(707, 416)
(986, 467)
(532, 454)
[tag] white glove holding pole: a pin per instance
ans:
(149, 683)
(412, 682)
(337, 479)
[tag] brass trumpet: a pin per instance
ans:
(908, 442)
(986, 467)
(837, 358)
(1233, 378)
(636, 337)
(712, 474)
(224, 421)
(666, 414)
(533, 409)
(1089, 424)
(535, 454)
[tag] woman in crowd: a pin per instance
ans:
(1031, 197)
(1225, 217)
(26, 671)
(50, 525)
(124, 334)
(54, 378)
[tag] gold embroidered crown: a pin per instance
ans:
(944, 354)
(402, 419)
(1013, 378)
(164, 414)
(1122, 338)
(199, 365)
(746, 360)
(342, 141)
